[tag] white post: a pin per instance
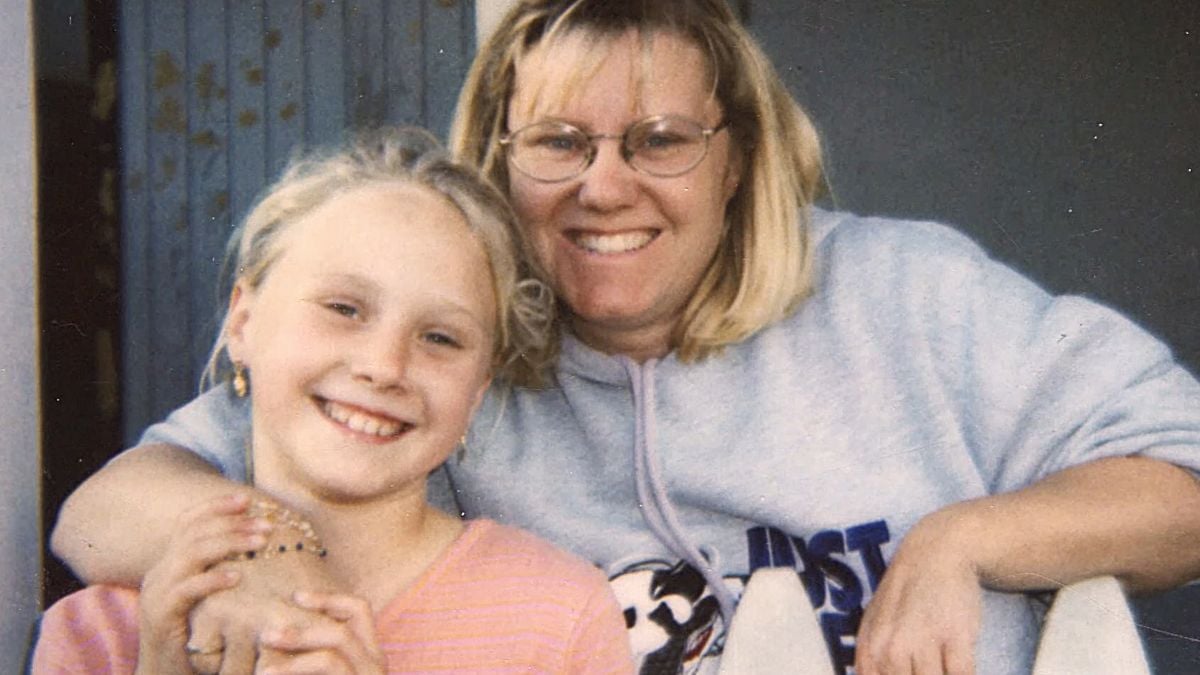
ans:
(487, 15)
(20, 456)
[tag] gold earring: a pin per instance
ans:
(240, 386)
(462, 448)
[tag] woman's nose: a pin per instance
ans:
(609, 182)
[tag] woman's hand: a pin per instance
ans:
(204, 536)
(347, 645)
(924, 618)
(1131, 517)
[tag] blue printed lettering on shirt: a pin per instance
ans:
(826, 564)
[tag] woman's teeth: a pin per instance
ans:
(362, 422)
(620, 242)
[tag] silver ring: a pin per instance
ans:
(193, 650)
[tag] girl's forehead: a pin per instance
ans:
(425, 213)
(566, 67)
(392, 224)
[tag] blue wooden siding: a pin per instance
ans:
(215, 96)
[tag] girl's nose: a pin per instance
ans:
(382, 360)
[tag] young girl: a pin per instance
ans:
(377, 291)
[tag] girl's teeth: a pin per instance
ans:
(614, 243)
(361, 422)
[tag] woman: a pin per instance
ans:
(747, 381)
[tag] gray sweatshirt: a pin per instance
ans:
(919, 374)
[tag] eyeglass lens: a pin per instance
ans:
(659, 146)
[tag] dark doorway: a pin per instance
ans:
(78, 236)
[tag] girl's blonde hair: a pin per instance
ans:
(524, 308)
(763, 267)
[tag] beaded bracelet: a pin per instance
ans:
(279, 516)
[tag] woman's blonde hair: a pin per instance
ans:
(522, 350)
(763, 267)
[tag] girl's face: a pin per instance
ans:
(625, 250)
(369, 344)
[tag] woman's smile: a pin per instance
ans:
(607, 243)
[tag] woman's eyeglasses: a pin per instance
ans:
(663, 146)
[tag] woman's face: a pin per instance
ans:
(624, 250)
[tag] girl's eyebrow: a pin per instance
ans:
(367, 286)
(347, 278)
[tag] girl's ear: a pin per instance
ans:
(479, 395)
(487, 382)
(241, 302)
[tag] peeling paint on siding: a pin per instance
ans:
(166, 71)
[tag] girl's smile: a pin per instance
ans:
(363, 422)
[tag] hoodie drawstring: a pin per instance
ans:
(657, 509)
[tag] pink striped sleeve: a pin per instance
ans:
(91, 631)
(503, 601)
(601, 642)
